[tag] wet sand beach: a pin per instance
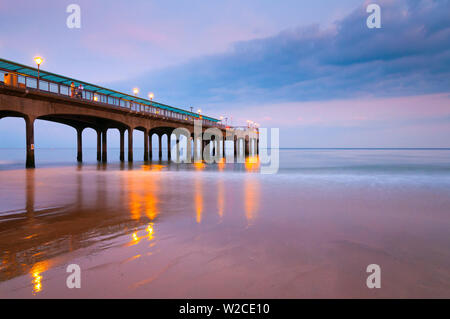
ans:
(165, 230)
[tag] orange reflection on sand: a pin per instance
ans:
(151, 209)
(150, 231)
(198, 200)
(142, 196)
(220, 197)
(252, 197)
(221, 164)
(134, 238)
(36, 275)
(199, 166)
(135, 205)
(252, 164)
(152, 168)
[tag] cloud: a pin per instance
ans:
(363, 113)
(409, 55)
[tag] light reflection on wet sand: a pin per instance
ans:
(161, 231)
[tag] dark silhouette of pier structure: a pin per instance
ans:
(34, 94)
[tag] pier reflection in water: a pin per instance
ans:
(94, 207)
(224, 230)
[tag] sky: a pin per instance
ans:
(313, 69)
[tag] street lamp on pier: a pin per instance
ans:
(38, 61)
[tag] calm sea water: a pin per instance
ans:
(164, 230)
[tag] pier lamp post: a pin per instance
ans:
(151, 96)
(38, 61)
(135, 91)
(199, 111)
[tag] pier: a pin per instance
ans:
(34, 94)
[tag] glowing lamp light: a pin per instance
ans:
(199, 111)
(151, 96)
(95, 98)
(135, 91)
(38, 60)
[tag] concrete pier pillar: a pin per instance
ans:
(30, 143)
(145, 145)
(203, 150)
(122, 145)
(224, 155)
(196, 157)
(80, 144)
(247, 147)
(130, 145)
(160, 146)
(178, 149)
(189, 150)
(99, 145)
(150, 145)
(169, 148)
(104, 146)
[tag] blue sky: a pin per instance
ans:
(311, 68)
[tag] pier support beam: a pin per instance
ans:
(196, 157)
(203, 150)
(130, 145)
(122, 145)
(169, 148)
(104, 146)
(189, 149)
(80, 144)
(224, 155)
(160, 146)
(30, 142)
(177, 150)
(145, 145)
(247, 147)
(236, 141)
(99, 145)
(150, 145)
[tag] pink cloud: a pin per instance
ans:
(353, 112)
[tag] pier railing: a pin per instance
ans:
(153, 109)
